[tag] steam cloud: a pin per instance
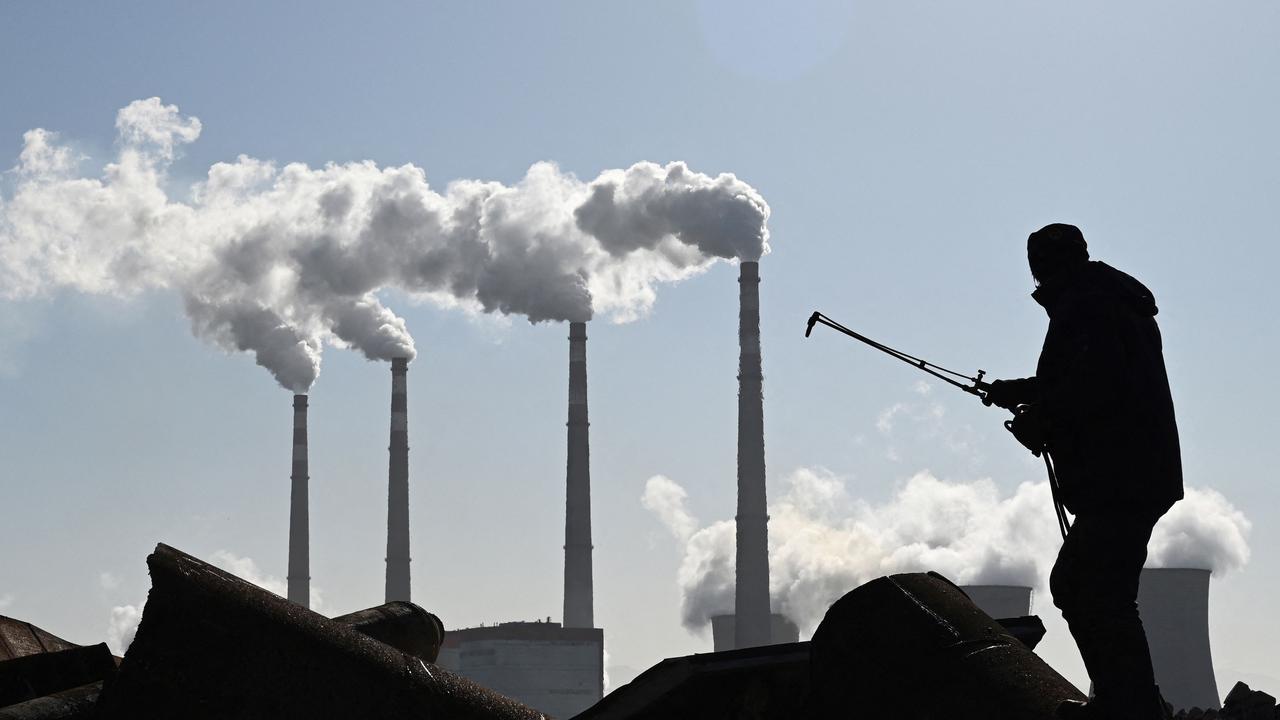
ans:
(281, 261)
(1203, 530)
(823, 543)
(122, 626)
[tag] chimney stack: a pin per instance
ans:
(299, 578)
(578, 612)
(398, 486)
(751, 599)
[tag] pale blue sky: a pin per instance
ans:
(906, 150)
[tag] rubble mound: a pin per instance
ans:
(1242, 703)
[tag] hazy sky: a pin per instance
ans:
(906, 149)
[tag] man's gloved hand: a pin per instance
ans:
(1009, 394)
(1028, 427)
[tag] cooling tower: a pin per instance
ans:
(398, 486)
(1174, 605)
(723, 630)
(751, 599)
(578, 611)
(1000, 601)
(299, 577)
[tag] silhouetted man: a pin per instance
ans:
(1101, 402)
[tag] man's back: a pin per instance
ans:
(1105, 392)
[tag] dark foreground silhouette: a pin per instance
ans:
(1100, 403)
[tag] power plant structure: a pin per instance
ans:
(398, 486)
(578, 602)
(1174, 606)
(752, 625)
(557, 668)
(724, 632)
(299, 577)
(1000, 601)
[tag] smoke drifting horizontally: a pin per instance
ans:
(280, 261)
(823, 543)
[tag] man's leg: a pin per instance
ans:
(1095, 584)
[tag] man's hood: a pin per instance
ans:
(1099, 278)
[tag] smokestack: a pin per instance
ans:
(1000, 601)
(299, 524)
(1174, 605)
(398, 486)
(751, 599)
(578, 612)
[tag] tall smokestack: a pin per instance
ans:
(1174, 605)
(398, 486)
(578, 611)
(299, 523)
(751, 600)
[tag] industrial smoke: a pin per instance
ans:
(281, 261)
(823, 542)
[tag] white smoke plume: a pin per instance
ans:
(665, 498)
(122, 626)
(1203, 530)
(280, 261)
(823, 543)
(246, 569)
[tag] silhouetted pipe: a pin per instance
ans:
(751, 599)
(299, 577)
(578, 605)
(402, 625)
(398, 486)
(914, 646)
(213, 646)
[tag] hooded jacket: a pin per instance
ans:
(1104, 393)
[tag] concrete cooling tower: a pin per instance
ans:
(299, 578)
(1174, 605)
(1000, 601)
(751, 596)
(724, 631)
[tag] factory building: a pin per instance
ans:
(554, 669)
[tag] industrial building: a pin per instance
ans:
(558, 669)
(554, 669)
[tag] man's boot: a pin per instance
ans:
(1148, 705)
